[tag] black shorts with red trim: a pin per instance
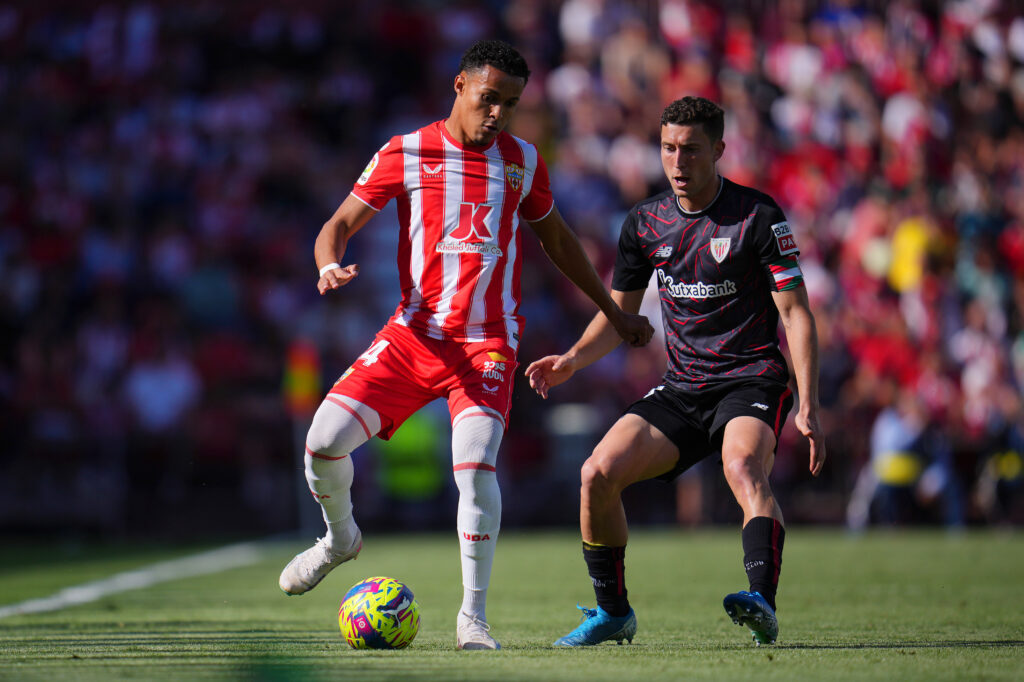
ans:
(695, 420)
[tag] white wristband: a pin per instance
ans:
(329, 266)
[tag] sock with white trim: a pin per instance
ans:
(339, 426)
(475, 441)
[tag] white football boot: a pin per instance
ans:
(473, 633)
(307, 569)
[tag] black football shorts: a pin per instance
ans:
(695, 420)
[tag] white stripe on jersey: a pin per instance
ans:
(454, 176)
(411, 169)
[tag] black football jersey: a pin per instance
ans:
(716, 271)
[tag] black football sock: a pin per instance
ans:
(608, 573)
(763, 538)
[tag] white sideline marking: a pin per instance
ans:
(213, 561)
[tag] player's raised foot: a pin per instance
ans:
(310, 567)
(472, 633)
(600, 626)
(753, 611)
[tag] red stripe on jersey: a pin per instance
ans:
(473, 465)
(404, 251)
(504, 295)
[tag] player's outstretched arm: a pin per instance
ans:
(598, 339)
(802, 335)
(332, 241)
(566, 252)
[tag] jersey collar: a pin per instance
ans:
(464, 147)
(721, 184)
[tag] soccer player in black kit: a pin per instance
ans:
(727, 272)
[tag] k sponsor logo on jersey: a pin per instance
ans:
(720, 248)
(784, 238)
(514, 174)
(471, 234)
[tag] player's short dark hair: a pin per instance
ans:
(689, 111)
(496, 53)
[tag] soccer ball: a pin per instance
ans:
(379, 613)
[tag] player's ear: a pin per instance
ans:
(719, 149)
(460, 83)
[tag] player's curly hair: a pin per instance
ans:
(696, 111)
(496, 53)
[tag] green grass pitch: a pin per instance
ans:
(901, 605)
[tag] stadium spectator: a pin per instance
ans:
(138, 138)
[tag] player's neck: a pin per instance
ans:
(700, 206)
(454, 132)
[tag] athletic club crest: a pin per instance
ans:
(720, 248)
(514, 174)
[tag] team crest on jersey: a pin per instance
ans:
(720, 248)
(784, 238)
(514, 174)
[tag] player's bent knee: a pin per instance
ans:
(339, 427)
(597, 477)
(744, 472)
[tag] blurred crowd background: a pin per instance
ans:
(165, 168)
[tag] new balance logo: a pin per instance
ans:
(664, 251)
(760, 406)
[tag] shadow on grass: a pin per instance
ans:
(945, 644)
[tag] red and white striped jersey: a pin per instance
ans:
(459, 252)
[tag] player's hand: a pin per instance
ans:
(549, 372)
(808, 425)
(335, 278)
(635, 330)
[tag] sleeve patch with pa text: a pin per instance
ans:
(784, 238)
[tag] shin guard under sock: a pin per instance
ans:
(606, 566)
(763, 538)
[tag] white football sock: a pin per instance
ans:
(339, 426)
(475, 441)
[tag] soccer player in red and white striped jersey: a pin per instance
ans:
(464, 187)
